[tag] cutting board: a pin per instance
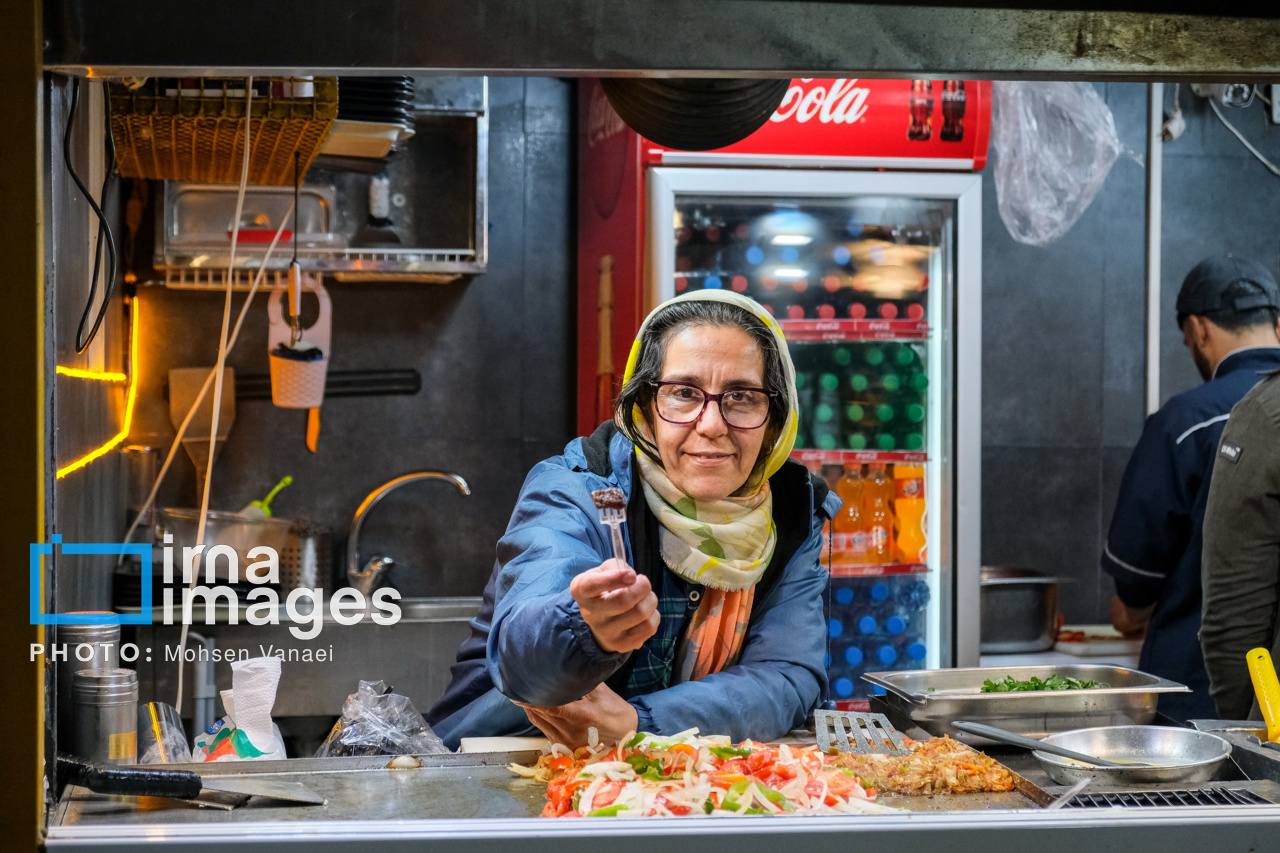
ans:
(1100, 641)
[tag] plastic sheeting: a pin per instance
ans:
(1054, 143)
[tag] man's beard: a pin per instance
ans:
(1202, 363)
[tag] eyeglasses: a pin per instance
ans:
(741, 408)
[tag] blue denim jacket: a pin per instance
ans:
(530, 643)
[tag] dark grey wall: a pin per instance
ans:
(87, 504)
(495, 353)
(1063, 336)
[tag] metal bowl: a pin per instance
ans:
(1184, 755)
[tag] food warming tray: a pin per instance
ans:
(932, 698)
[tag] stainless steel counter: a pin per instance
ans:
(472, 801)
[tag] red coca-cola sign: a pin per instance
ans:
(854, 123)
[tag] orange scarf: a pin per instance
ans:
(714, 637)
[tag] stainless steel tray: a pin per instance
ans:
(932, 698)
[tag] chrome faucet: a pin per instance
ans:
(366, 579)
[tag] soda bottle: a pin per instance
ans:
(877, 515)
(908, 506)
(952, 111)
(920, 106)
(827, 412)
(849, 542)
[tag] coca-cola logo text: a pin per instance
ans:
(844, 103)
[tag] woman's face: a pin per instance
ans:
(708, 459)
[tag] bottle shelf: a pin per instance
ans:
(854, 330)
(859, 457)
(858, 570)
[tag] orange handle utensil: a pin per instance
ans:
(1267, 688)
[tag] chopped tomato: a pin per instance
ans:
(841, 784)
(559, 763)
(761, 759)
(675, 810)
(734, 765)
(605, 795)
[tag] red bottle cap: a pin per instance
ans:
(738, 283)
(831, 283)
(800, 285)
(681, 283)
(857, 310)
(915, 311)
(769, 283)
(795, 312)
(826, 312)
(888, 310)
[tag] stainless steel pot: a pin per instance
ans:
(1019, 610)
(1184, 755)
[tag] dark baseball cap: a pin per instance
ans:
(1204, 287)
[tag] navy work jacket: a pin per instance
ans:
(1153, 546)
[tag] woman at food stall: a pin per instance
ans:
(714, 616)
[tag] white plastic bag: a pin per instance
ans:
(247, 731)
(1054, 145)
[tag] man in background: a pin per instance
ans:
(1241, 564)
(1227, 311)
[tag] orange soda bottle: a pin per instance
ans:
(908, 506)
(849, 544)
(877, 516)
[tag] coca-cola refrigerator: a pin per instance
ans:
(854, 216)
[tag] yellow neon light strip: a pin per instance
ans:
(90, 374)
(128, 407)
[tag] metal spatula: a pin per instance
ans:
(855, 731)
(153, 781)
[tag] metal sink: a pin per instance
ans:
(413, 656)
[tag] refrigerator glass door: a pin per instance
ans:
(862, 272)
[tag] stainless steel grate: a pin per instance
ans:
(1199, 797)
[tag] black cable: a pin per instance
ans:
(104, 228)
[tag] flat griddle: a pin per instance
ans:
(463, 786)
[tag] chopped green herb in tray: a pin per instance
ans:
(1053, 682)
